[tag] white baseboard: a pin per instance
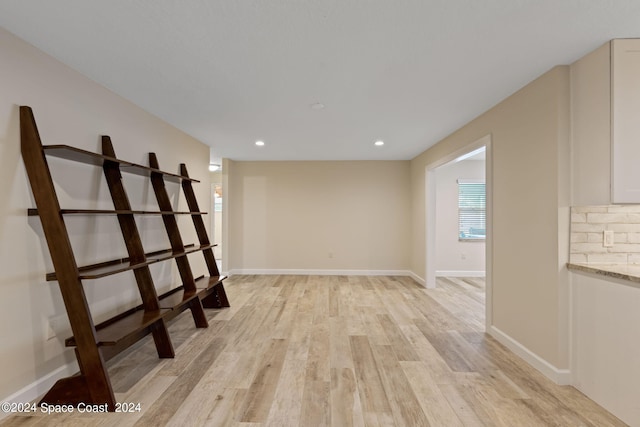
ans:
(40, 386)
(304, 272)
(455, 273)
(557, 375)
(309, 272)
(417, 278)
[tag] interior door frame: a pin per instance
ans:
(430, 226)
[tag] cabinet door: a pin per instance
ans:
(625, 121)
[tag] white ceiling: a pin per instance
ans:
(229, 72)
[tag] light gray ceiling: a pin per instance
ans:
(230, 72)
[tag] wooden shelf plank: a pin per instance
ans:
(34, 212)
(209, 282)
(133, 324)
(108, 268)
(177, 300)
(211, 292)
(83, 156)
(124, 328)
(172, 255)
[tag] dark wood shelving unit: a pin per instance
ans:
(97, 343)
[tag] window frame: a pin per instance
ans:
(476, 214)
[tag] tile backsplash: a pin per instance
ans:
(588, 224)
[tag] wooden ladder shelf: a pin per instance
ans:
(95, 344)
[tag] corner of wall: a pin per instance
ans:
(557, 375)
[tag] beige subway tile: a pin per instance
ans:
(587, 228)
(633, 237)
(613, 218)
(633, 258)
(587, 248)
(578, 258)
(624, 247)
(626, 228)
(622, 238)
(578, 217)
(595, 237)
(607, 258)
(579, 237)
(587, 209)
(624, 208)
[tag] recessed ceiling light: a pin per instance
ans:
(317, 106)
(259, 143)
(213, 167)
(378, 143)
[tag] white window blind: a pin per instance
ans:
(472, 223)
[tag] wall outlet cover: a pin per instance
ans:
(607, 240)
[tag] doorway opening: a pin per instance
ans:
(459, 220)
(216, 222)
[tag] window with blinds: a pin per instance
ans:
(472, 224)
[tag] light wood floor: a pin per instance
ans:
(337, 351)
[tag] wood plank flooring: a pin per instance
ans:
(336, 351)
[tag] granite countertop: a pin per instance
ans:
(619, 271)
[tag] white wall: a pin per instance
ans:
(319, 216)
(530, 160)
(71, 109)
(453, 257)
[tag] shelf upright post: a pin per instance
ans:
(177, 245)
(134, 248)
(218, 298)
(92, 385)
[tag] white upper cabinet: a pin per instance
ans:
(625, 121)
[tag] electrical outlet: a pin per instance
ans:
(607, 239)
(54, 325)
(47, 327)
(463, 256)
